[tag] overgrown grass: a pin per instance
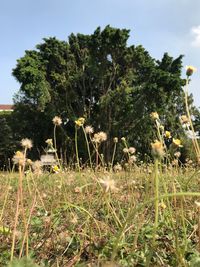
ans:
(74, 219)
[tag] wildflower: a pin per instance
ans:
(123, 139)
(55, 168)
(89, 129)
(103, 136)
(26, 143)
(117, 168)
(80, 122)
(177, 154)
(125, 150)
(162, 205)
(175, 162)
(49, 142)
(190, 70)
(177, 142)
(131, 150)
(167, 134)
(29, 162)
(57, 121)
(77, 189)
(132, 159)
(18, 158)
(157, 149)
(99, 137)
(154, 115)
(184, 119)
(115, 140)
(108, 184)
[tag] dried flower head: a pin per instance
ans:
(177, 154)
(190, 70)
(29, 162)
(157, 149)
(49, 142)
(89, 129)
(99, 137)
(117, 168)
(37, 167)
(108, 184)
(26, 143)
(125, 150)
(154, 115)
(131, 150)
(57, 121)
(18, 158)
(132, 159)
(115, 139)
(80, 121)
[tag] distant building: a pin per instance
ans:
(6, 108)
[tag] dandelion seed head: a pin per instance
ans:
(18, 158)
(57, 121)
(89, 129)
(26, 143)
(99, 137)
(131, 150)
(108, 184)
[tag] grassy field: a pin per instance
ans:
(101, 218)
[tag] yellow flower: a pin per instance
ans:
(55, 168)
(184, 119)
(167, 134)
(190, 70)
(154, 115)
(177, 142)
(80, 122)
(157, 149)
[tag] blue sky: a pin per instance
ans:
(171, 26)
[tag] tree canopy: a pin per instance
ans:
(98, 77)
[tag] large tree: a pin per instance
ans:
(98, 76)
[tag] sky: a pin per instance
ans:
(161, 26)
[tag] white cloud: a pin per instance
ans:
(196, 33)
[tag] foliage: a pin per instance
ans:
(99, 77)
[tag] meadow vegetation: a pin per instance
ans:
(96, 196)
